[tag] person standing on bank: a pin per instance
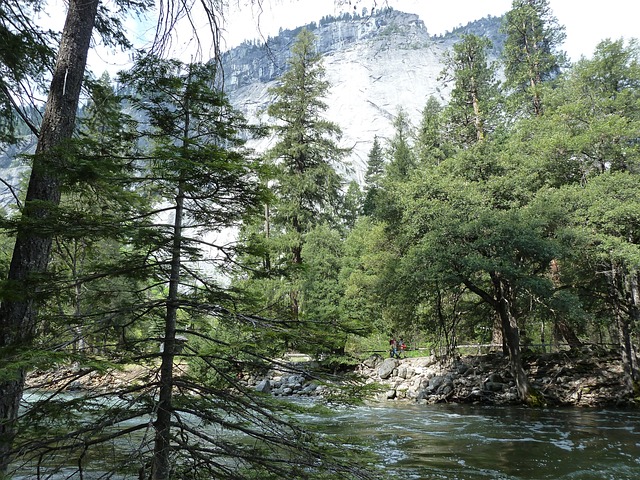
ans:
(393, 348)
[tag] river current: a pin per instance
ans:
(465, 442)
(459, 442)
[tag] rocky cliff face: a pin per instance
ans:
(251, 63)
(375, 64)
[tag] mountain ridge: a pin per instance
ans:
(375, 64)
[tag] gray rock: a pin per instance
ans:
(436, 382)
(264, 386)
(426, 361)
(310, 388)
(495, 377)
(373, 361)
(493, 386)
(386, 369)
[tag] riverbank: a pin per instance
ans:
(581, 379)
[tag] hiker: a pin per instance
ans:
(393, 352)
(403, 347)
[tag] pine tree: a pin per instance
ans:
(530, 53)
(430, 145)
(32, 249)
(474, 96)
(199, 175)
(306, 185)
(373, 177)
(401, 158)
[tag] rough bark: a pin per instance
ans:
(33, 241)
(502, 291)
(624, 295)
(565, 331)
(161, 469)
(500, 301)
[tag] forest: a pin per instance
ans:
(147, 234)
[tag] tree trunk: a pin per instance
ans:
(565, 331)
(624, 289)
(33, 241)
(497, 336)
(634, 318)
(501, 303)
(561, 326)
(161, 468)
(511, 334)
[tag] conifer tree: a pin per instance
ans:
(306, 185)
(373, 177)
(191, 166)
(531, 54)
(474, 96)
(401, 158)
(430, 145)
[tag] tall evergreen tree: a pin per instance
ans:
(430, 145)
(474, 96)
(205, 182)
(32, 250)
(373, 177)
(306, 185)
(401, 158)
(531, 54)
(193, 170)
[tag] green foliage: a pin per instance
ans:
(305, 156)
(530, 52)
(373, 178)
(474, 97)
(430, 143)
(401, 157)
(306, 197)
(26, 56)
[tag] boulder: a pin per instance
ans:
(264, 386)
(387, 367)
(436, 382)
(493, 386)
(426, 361)
(373, 361)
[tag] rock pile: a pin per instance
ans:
(584, 379)
(282, 386)
(284, 383)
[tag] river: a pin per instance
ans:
(508, 443)
(463, 442)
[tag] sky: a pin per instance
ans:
(586, 21)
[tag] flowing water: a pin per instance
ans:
(472, 442)
(461, 442)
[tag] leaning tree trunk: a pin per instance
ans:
(564, 330)
(511, 334)
(33, 241)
